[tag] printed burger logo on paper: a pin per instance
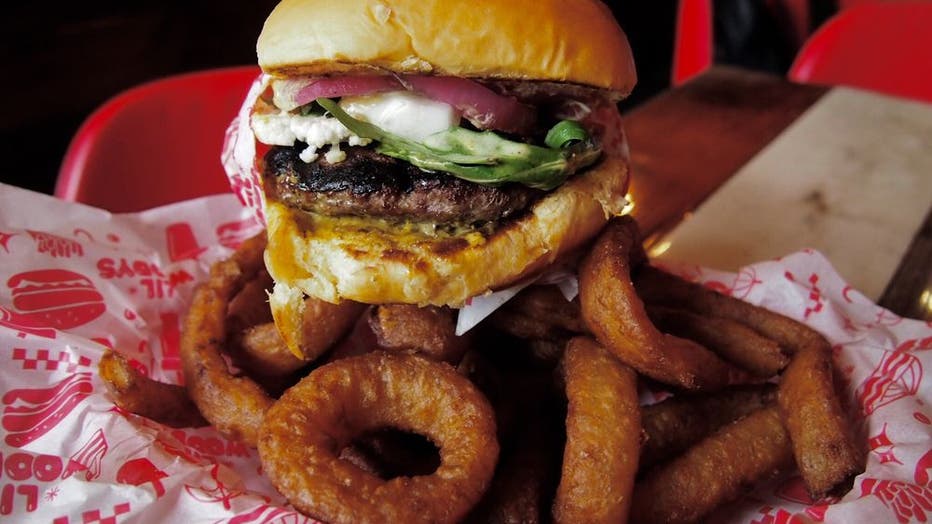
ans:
(51, 298)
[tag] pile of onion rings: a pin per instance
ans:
(533, 416)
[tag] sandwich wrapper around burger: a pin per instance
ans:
(77, 279)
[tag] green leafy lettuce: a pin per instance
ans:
(482, 156)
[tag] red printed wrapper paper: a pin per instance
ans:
(74, 280)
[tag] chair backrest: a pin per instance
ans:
(696, 42)
(692, 49)
(156, 143)
(880, 46)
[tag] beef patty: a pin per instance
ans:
(368, 183)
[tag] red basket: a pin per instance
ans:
(156, 143)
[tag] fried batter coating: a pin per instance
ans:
(310, 326)
(657, 287)
(303, 433)
(672, 426)
(825, 449)
(234, 405)
(540, 313)
(616, 316)
(262, 351)
(731, 340)
(715, 471)
(603, 432)
(429, 331)
(168, 404)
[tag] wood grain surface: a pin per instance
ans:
(688, 141)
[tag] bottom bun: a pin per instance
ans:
(351, 258)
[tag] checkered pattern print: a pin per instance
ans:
(44, 359)
(96, 517)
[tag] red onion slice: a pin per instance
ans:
(294, 93)
(485, 108)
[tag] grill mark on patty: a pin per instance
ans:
(368, 183)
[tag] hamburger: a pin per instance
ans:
(55, 298)
(429, 151)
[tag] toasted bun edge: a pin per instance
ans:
(549, 40)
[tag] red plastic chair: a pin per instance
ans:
(692, 50)
(882, 46)
(156, 143)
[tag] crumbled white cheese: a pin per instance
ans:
(308, 155)
(335, 154)
(273, 129)
(284, 129)
(402, 113)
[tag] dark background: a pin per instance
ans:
(62, 61)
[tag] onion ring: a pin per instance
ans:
(825, 450)
(547, 351)
(234, 405)
(527, 470)
(603, 431)
(714, 471)
(729, 339)
(672, 426)
(132, 391)
(539, 312)
(308, 325)
(261, 352)
(616, 316)
(250, 307)
(303, 433)
(428, 331)
(656, 286)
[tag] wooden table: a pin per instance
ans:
(688, 141)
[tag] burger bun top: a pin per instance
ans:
(554, 40)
